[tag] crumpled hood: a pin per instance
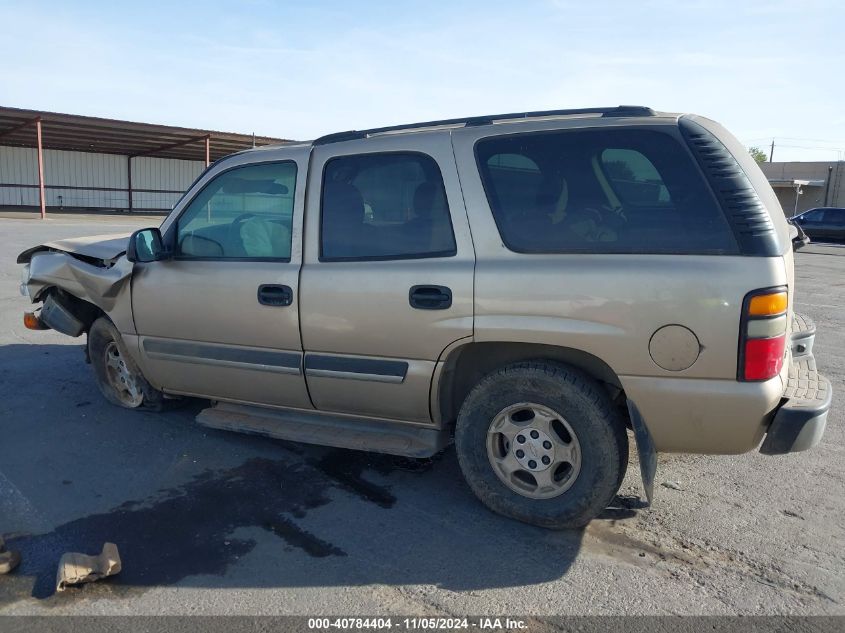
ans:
(104, 247)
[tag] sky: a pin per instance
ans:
(764, 69)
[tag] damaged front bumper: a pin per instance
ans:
(800, 420)
(77, 280)
(55, 315)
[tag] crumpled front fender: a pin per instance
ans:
(105, 287)
(101, 286)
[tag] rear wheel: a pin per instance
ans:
(118, 377)
(540, 442)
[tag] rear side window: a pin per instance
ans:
(384, 206)
(600, 191)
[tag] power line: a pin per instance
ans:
(812, 140)
(790, 138)
(826, 149)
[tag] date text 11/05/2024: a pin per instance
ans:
(412, 624)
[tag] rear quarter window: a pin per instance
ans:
(600, 191)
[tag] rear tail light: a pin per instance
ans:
(762, 337)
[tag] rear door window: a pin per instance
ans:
(600, 191)
(384, 206)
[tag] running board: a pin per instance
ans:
(363, 434)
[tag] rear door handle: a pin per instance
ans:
(275, 295)
(430, 297)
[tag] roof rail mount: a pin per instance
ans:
(614, 111)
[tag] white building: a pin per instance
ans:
(806, 185)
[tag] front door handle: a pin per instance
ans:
(430, 297)
(275, 295)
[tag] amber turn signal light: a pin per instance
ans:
(767, 304)
(32, 322)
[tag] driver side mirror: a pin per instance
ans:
(146, 245)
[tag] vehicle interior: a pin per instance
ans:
(244, 213)
(615, 192)
(384, 206)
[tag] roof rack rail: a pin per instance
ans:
(614, 111)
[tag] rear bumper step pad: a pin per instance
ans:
(800, 421)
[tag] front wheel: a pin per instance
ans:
(541, 442)
(118, 377)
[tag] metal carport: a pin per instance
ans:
(49, 130)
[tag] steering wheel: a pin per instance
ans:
(236, 223)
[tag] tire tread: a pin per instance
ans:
(585, 395)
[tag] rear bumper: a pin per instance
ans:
(799, 421)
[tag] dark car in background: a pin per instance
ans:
(823, 223)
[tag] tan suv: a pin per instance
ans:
(530, 284)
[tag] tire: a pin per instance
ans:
(566, 403)
(118, 377)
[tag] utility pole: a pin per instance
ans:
(772, 151)
(827, 185)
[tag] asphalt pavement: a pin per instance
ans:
(212, 522)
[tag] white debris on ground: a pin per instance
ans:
(75, 568)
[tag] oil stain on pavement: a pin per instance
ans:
(187, 530)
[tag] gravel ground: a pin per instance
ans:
(209, 522)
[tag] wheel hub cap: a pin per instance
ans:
(533, 450)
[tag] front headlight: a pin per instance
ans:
(25, 280)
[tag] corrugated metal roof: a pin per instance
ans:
(792, 182)
(129, 138)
